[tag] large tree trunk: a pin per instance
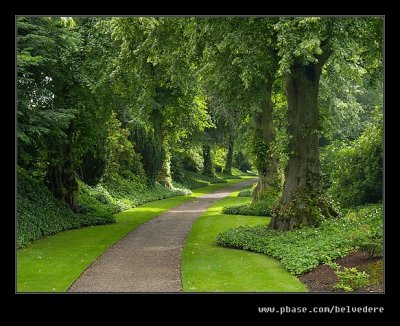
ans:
(267, 164)
(208, 168)
(229, 157)
(164, 175)
(302, 202)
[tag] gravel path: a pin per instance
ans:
(148, 259)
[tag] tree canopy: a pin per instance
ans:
(103, 97)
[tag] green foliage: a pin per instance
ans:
(370, 238)
(98, 198)
(177, 167)
(260, 150)
(132, 192)
(372, 244)
(303, 39)
(259, 208)
(151, 151)
(350, 279)
(304, 249)
(245, 193)
(192, 161)
(93, 164)
(123, 159)
(194, 180)
(44, 54)
(40, 214)
(375, 271)
(242, 162)
(356, 171)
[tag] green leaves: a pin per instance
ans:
(356, 169)
(304, 249)
(40, 214)
(68, 20)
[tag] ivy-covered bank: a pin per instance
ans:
(304, 249)
(40, 214)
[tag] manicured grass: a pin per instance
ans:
(207, 267)
(53, 263)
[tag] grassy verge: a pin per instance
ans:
(53, 263)
(206, 267)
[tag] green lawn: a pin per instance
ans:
(207, 267)
(53, 263)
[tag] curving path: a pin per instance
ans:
(148, 259)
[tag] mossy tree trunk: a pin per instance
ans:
(302, 202)
(208, 168)
(267, 163)
(229, 157)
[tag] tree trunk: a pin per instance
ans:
(208, 168)
(302, 202)
(229, 157)
(267, 164)
(60, 172)
(164, 175)
(62, 177)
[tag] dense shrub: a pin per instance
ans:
(242, 162)
(152, 154)
(350, 279)
(39, 213)
(193, 180)
(177, 167)
(260, 208)
(132, 192)
(304, 249)
(123, 159)
(93, 164)
(192, 161)
(355, 171)
(248, 192)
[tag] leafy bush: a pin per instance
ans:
(40, 214)
(123, 160)
(193, 180)
(370, 237)
(132, 192)
(245, 193)
(350, 279)
(152, 154)
(304, 249)
(371, 243)
(259, 208)
(242, 162)
(355, 172)
(93, 164)
(177, 168)
(192, 161)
